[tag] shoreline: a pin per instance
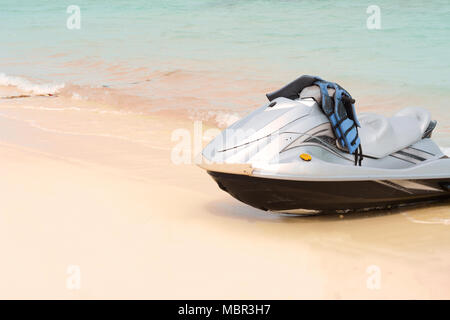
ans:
(218, 100)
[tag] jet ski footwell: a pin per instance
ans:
(291, 196)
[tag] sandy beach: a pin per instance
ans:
(93, 188)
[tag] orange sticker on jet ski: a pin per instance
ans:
(305, 157)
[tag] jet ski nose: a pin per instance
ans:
(263, 134)
(233, 168)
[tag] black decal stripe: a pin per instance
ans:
(406, 154)
(431, 154)
(394, 185)
(391, 155)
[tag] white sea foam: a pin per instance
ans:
(446, 150)
(225, 119)
(422, 218)
(77, 96)
(221, 119)
(28, 86)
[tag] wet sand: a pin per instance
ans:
(95, 188)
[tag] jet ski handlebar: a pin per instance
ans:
(293, 89)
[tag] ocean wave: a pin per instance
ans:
(28, 86)
(425, 217)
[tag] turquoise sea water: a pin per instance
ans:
(262, 39)
(413, 43)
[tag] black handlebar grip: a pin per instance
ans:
(293, 89)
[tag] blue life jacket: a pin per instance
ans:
(342, 115)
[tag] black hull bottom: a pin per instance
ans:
(281, 195)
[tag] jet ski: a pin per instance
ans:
(306, 151)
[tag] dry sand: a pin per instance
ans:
(96, 189)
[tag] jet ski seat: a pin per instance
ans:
(382, 136)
